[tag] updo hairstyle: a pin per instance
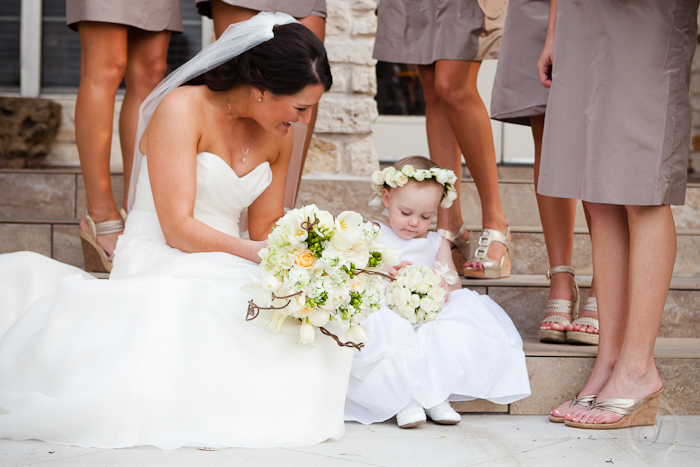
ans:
(284, 65)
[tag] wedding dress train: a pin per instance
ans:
(160, 354)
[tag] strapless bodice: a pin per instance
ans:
(221, 194)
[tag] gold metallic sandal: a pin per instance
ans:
(578, 337)
(559, 305)
(490, 268)
(461, 246)
(584, 401)
(637, 412)
(96, 259)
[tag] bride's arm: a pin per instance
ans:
(269, 206)
(173, 135)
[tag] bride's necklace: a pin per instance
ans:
(235, 131)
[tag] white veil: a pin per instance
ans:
(237, 39)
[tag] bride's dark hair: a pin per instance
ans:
(284, 65)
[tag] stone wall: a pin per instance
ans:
(342, 144)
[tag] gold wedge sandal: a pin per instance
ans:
(637, 412)
(584, 401)
(96, 259)
(559, 305)
(578, 337)
(490, 268)
(461, 248)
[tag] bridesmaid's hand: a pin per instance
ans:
(544, 64)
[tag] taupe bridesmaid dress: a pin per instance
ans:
(149, 15)
(617, 129)
(295, 8)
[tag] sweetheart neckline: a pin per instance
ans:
(240, 177)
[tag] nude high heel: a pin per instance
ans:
(96, 259)
(637, 412)
(559, 305)
(461, 246)
(490, 268)
(578, 337)
(584, 401)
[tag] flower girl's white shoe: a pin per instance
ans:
(411, 417)
(444, 414)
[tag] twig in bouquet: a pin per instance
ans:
(341, 344)
(254, 310)
(375, 273)
(308, 226)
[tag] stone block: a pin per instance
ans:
(479, 406)
(25, 237)
(358, 50)
(28, 128)
(35, 195)
(341, 77)
(339, 18)
(524, 305)
(334, 196)
(687, 216)
(364, 80)
(363, 5)
(117, 190)
(362, 156)
(681, 316)
(365, 24)
(346, 116)
(681, 380)
(688, 256)
(66, 245)
(323, 156)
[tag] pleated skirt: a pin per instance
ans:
(295, 8)
(617, 129)
(422, 32)
(517, 92)
(151, 15)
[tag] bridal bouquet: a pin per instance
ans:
(417, 293)
(318, 268)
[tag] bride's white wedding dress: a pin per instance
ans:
(160, 354)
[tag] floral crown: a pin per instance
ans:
(393, 178)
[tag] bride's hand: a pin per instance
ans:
(254, 248)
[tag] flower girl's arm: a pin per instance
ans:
(445, 256)
(172, 142)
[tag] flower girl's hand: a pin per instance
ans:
(394, 270)
(255, 247)
(446, 286)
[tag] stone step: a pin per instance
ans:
(558, 371)
(524, 298)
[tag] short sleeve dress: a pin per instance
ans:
(617, 129)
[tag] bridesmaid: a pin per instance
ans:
(119, 40)
(519, 97)
(617, 136)
(448, 40)
(310, 13)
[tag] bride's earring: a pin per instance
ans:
(259, 99)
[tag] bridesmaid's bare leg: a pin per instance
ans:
(591, 293)
(455, 85)
(102, 67)
(443, 147)
(147, 53)
(651, 228)
(224, 14)
(558, 216)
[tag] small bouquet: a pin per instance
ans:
(417, 293)
(318, 268)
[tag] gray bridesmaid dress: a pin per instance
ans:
(295, 8)
(423, 31)
(617, 129)
(149, 15)
(517, 92)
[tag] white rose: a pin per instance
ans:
(358, 334)
(432, 316)
(400, 179)
(358, 283)
(319, 318)
(412, 318)
(412, 277)
(422, 287)
(389, 175)
(419, 175)
(414, 301)
(400, 296)
(441, 176)
(431, 278)
(408, 170)
(378, 178)
(437, 294)
(306, 334)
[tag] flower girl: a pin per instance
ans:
(470, 350)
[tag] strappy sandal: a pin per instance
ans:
(637, 412)
(559, 305)
(96, 259)
(578, 337)
(461, 247)
(490, 268)
(584, 401)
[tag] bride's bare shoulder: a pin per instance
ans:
(183, 101)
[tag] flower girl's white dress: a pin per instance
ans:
(471, 351)
(161, 353)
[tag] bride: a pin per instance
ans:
(160, 354)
